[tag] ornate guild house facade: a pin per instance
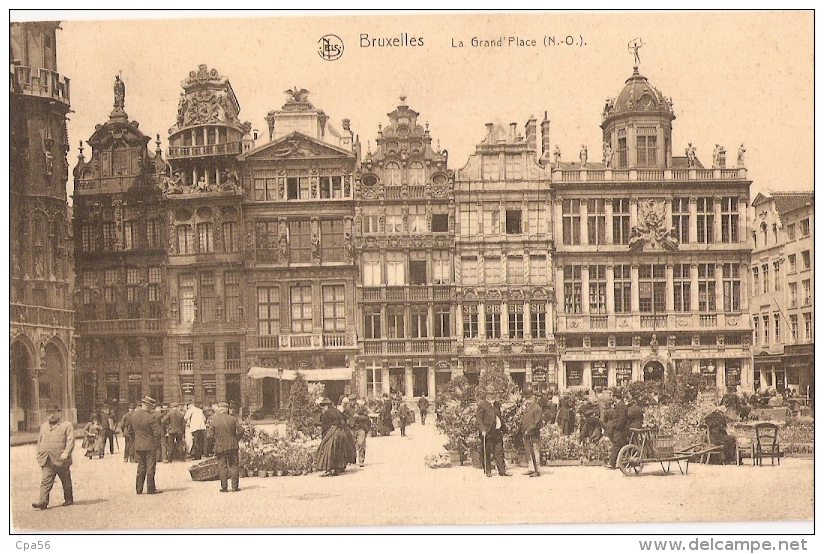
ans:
(220, 272)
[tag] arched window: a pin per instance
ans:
(393, 174)
(416, 173)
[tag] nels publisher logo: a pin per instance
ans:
(330, 47)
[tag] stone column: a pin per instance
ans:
(745, 277)
(481, 320)
(559, 287)
(557, 223)
(610, 289)
(505, 320)
(586, 379)
(527, 320)
(584, 222)
(720, 373)
(743, 212)
(608, 211)
(384, 378)
(693, 230)
(716, 204)
(409, 380)
(719, 287)
(635, 304)
(585, 289)
(670, 301)
(694, 287)
(431, 383)
(633, 212)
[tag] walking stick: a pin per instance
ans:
(486, 461)
(116, 441)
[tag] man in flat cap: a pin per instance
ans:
(54, 455)
(145, 428)
(227, 431)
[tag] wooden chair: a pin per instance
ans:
(717, 449)
(766, 444)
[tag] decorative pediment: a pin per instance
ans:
(296, 145)
(128, 133)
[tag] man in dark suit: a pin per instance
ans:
(226, 430)
(128, 438)
(423, 406)
(145, 427)
(617, 430)
(490, 427)
(531, 423)
(177, 427)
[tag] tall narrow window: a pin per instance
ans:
(706, 287)
(492, 311)
(513, 220)
(395, 322)
(645, 147)
(622, 157)
(370, 224)
(729, 219)
(109, 235)
(620, 221)
(207, 297)
(805, 227)
(732, 288)
(597, 289)
(301, 312)
(331, 240)
(537, 320)
(416, 174)
(110, 293)
(394, 220)
(705, 220)
(231, 293)
(492, 270)
(469, 220)
(596, 221)
(417, 322)
(266, 241)
(622, 288)
(537, 270)
(186, 290)
(777, 275)
(334, 308)
(392, 174)
(571, 213)
(512, 167)
(297, 188)
(572, 289)
(756, 287)
(681, 287)
(133, 293)
(777, 327)
(129, 237)
(807, 290)
(372, 269)
(231, 236)
(153, 292)
(300, 244)
(516, 320)
(808, 326)
(417, 268)
(652, 288)
(205, 240)
(417, 218)
(794, 327)
(441, 267)
(793, 295)
(395, 270)
(492, 219)
(537, 218)
(765, 269)
(469, 271)
(681, 219)
(185, 239)
(515, 270)
(756, 323)
(268, 303)
(470, 320)
(443, 327)
(372, 322)
(153, 233)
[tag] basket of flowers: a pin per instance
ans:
(206, 470)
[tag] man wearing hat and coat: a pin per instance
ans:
(145, 427)
(128, 438)
(54, 455)
(177, 426)
(531, 423)
(227, 431)
(490, 426)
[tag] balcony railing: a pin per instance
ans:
(416, 292)
(43, 82)
(598, 322)
(268, 342)
(417, 191)
(232, 365)
(653, 321)
(373, 346)
(420, 346)
(186, 366)
(334, 340)
(675, 321)
(396, 346)
(419, 293)
(443, 346)
(649, 175)
(40, 315)
(233, 147)
(395, 293)
(708, 320)
(111, 326)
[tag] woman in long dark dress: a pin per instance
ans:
(566, 415)
(335, 449)
(385, 425)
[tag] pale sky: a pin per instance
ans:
(734, 77)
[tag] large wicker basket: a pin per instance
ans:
(664, 445)
(205, 470)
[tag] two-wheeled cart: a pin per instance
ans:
(649, 445)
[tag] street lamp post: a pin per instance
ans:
(280, 390)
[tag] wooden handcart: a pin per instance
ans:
(648, 445)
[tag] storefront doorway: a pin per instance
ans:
(397, 382)
(654, 371)
(20, 389)
(269, 391)
(420, 383)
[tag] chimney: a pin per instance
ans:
(531, 130)
(347, 136)
(513, 134)
(545, 138)
(489, 137)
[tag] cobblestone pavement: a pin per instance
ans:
(395, 488)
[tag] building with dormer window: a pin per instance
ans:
(404, 246)
(652, 255)
(504, 258)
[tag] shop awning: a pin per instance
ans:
(313, 375)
